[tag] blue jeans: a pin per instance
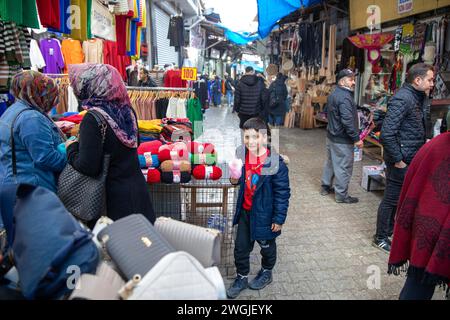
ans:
(230, 97)
(275, 120)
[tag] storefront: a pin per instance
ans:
(165, 53)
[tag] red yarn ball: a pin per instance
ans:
(153, 176)
(150, 146)
(200, 172)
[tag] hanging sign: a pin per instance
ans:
(405, 6)
(102, 22)
(189, 74)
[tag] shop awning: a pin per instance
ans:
(270, 11)
(239, 38)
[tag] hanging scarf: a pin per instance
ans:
(372, 42)
(100, 87)
(35, 89)
(422, 226)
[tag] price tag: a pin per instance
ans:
(189, 74)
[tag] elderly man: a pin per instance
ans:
(343, 135)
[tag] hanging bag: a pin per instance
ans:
(84, 196)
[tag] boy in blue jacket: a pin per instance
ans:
(262, 205)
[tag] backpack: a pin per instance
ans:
(274, 100)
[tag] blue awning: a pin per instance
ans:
(239, 38)
(270, 11)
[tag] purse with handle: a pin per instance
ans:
(177, 276)
(134, 245)
(84, 196)
(202, 243)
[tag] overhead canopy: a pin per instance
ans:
(270, 11)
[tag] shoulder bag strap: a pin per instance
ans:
(13, 145)
(101, 123)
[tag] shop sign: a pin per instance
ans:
(102, 22)
(189, 74)
(405, 6)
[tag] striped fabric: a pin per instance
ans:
(122, 7)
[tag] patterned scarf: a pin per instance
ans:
(35, 89)
(100, 87)
(422, 225)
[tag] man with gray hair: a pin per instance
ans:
(342, 137)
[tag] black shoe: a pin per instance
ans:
(383, 245)
(326, 190)
(263, 278)
(347, 200)
(239, 284)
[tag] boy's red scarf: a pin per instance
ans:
(422, 224)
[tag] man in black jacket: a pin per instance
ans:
(343, 135)
(250, 97)
(145, 80)
(404, 131)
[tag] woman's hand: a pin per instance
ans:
(69, 142)
(276, 227)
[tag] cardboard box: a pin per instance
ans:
(368, 171)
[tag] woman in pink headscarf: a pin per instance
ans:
(99, 87)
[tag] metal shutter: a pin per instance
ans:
(165, 53)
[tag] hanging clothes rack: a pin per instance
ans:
(159, 89)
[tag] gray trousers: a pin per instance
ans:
(339, 165)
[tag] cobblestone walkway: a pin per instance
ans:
(325, 249)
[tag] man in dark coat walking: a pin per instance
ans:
(404, 131)
(342, 137)
(277, 100)
(250, 97)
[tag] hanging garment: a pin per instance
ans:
(72, 100)
(172, 79)
(72, 52)
(51, 51)
(373, 43)
(93, 51)
(348, 51)
(195, 115)
(176, 32)
(49, 13)
(121, 7)
(22, 12)
(181, 109)
(172, 108)
(201, 91)
(36, 58)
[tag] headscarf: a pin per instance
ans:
(421, 240)
(35, 89)
(100, 87)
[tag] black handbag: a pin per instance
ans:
(134, 245)
(84, 196)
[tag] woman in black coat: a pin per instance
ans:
(100, 88)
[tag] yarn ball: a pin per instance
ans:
(153, 176)
(169, 177)
(204, 158)
(171, 165)
(147, 163)
(203, 172)
(150, 146)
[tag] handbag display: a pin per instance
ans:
(104, 285)
(134, 245)
(177, 276)
(84, 196)
(202, 243)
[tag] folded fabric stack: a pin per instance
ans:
(176, 130)
(149, 130)
(65, 126)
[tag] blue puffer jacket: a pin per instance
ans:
(271, 198)
(36, 139)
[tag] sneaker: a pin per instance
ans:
(263, 278)
(239, 284)
(347, 200)
(383, 245)
(326, 190)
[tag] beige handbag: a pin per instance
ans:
(203, 243)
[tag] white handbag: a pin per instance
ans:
(177, 276)
(203, 243)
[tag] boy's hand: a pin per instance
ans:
(276, 227)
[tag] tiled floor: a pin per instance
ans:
(325, 250)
